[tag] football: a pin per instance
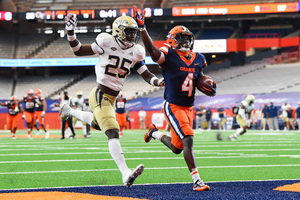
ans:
(206, 85)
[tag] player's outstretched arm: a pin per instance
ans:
(155, 53)
(152, 79)
(76, 46)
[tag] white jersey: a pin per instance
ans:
(115, 63)
(246, 111)
(78, 102)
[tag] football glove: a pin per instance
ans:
(71, 22)
(23, 116)
(139, 17)
(43, 114)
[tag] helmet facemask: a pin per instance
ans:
(125, 29)
(129, 36)
(185, 41)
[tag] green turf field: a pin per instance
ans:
(41, 163)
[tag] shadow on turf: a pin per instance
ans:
(219, 190)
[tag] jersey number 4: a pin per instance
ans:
(187, 85)
(115, 66)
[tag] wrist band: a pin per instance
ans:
(143, 28)
(152, 80)
(75, 49)
(71, 37)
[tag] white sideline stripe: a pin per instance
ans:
(156, 158)
(155, 168)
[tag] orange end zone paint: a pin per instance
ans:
(59, 196)
(292, 188)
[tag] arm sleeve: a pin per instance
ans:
(140, 67)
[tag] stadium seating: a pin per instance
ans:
(7, 43)
(6, 85)
(47, 85)
(60, 48)
(262, 80)
(30, 42)
(216, 33)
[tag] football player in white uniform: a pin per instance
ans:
(243, 116)
(78, 104)
(118, 53)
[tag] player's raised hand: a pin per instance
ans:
(139, 17)
(70, 21)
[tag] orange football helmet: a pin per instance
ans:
(38, 92)
(30, 93)
(181, 38)
(13, 99)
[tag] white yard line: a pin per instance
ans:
(156, 158)
(155, 168)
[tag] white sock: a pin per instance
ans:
(195, 175)
(84, 129)
(84, 116)
(116, 153)
(238, 132)
(157, 135)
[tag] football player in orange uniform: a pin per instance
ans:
(30, 102)
(12, 118)
(121, 111)
(40, 111)
(181, 68)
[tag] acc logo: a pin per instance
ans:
(106, 98)
(113, 49)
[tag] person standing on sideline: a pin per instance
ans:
(87, 108)
(222, 121)
(68, 101)
(244, 116)
(12, 117)
(180, 68)
(142, 116)
(208, 116)
(199, 117)
(118, 53)
(78, 104)
(128, 122)
(273, 117)
(289, 119)
(265, 119)
(297, 116)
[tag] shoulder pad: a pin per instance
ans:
(164, 49)
(244, 103)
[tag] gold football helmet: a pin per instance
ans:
(250, 99)
(125, 29)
